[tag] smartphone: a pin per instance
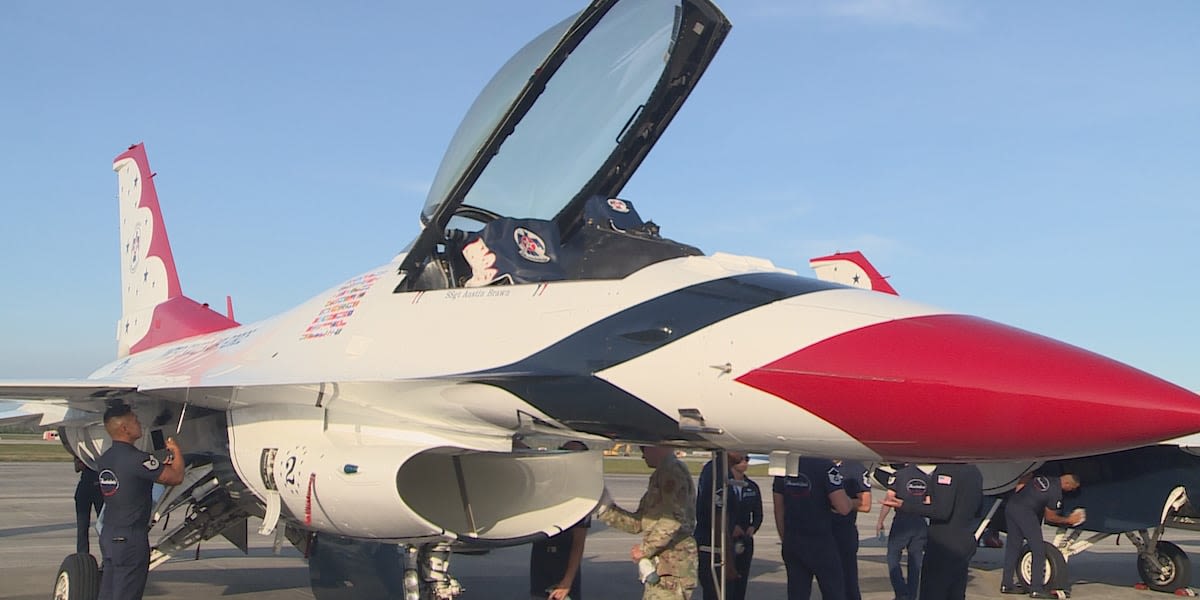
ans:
(160, 445)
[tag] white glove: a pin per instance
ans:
(1082, 513)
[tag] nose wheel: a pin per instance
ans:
(1167, 569)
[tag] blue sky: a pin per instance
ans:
(1032, 163)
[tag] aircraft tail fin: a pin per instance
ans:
(154, 310)
(852, 269)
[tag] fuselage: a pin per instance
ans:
(770, 360)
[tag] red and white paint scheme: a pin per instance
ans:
(1137, 493)
(537, 307)
(154, 310)
(852, 269)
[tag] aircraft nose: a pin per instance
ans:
(956, 387)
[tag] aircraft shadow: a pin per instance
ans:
(11, 531)
(235, 581)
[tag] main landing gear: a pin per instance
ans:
(78, 578)
(1162, 566)
(344, 569)
(1054, 575)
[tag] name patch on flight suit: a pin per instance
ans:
(109, 484)
(800, 485)
(916, 487)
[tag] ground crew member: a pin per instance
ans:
(804, 507)
(747, 520)
(1023, 514)
(87, 499)
(726, 504)
(554, 572)
(856, 481)
(126, 477)
(908, 533)
(666, 518)
(951, 506)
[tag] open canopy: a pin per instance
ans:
(572, 114)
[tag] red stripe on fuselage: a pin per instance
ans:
(954, 387)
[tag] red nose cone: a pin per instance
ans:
(954, 387)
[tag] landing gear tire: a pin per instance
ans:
(1055, 574)
(78, 578)
(1175, 572)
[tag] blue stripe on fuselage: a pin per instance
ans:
(560, 381)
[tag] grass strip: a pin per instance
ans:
(34, 452)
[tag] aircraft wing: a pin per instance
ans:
(70, 390)
(45, 413)
(52, 398)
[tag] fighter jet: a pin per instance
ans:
(375, 425)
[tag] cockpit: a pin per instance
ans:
(610, 241)
(528, 189)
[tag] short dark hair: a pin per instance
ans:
(117, 410)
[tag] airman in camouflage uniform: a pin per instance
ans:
(666, 517)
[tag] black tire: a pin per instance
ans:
(78, 578)
(1176, 572)
(1055, 577)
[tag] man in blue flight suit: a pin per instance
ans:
(856, 481)
(908, 532)
(1023, 514)
(804, 507)
(951, 506)
(87, 499)
(126, 477)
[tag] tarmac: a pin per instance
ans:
(37, 530)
